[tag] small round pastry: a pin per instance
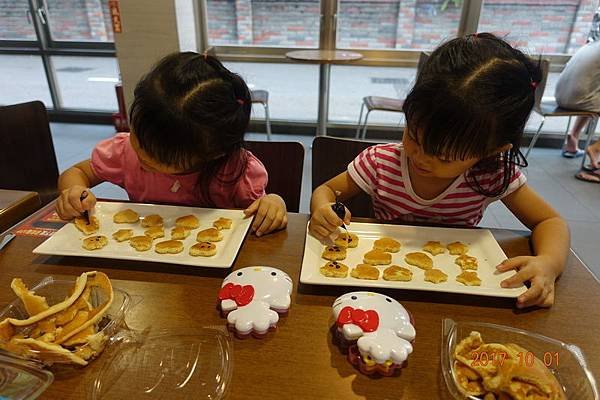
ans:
(334, 253)
(434, 248)
(466, 262)
(334, 269)
(419, 259)
(365, 271)
(127, 216)
(396, 273)
(346, 239)
(203, 249)
(435, 276)
(377, 257)
(155, 232)
(179, 233)
(387, 244)
(152, 220)
(141, 243)
(188, 222)
(95, 242)
(457, 248)
(122, 235)
(169, 246)
(222, 223)
(209, 235)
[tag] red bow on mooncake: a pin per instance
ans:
(368, 320)
(242, 295)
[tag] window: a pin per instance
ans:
(22, 78)
(87, 82)
(541, 27)
(396, 24)
(263, 23)
(15, 21)
(79, 20)
(293, 88)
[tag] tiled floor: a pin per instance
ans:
(549, 174)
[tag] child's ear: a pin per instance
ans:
(502, 149)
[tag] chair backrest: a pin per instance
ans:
(284, 162)
(27, 158)
(330, 157)
(539, 89)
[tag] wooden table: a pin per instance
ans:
(16, 205)
(298, 361)
(324, 58)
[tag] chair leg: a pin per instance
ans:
(591, 129)
(268, 122)
(362, 108)
(364, 131)
(535, 138)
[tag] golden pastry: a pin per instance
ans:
(396, 273)
(209, 235)
(419, 259)
(377, 257)
(141, 243)
(435, 276)
(466, 262)
(188, 222)
(179, 232)
(123, 234)
(95, 242)
(169, 246)
(152, 220)
(434, 248)
(469, 278)
(346, 239)
(222, 223)
(334, 269)
(387, 244)
(204, 249)
(334, 253)
(457, 248)
(365, 271)
(87, 229)
(127, 216)
(155, 232)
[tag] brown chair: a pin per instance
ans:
(27, 158)
(330, 157)
(284, 162)
(549, 108)
(262, 97)
(378, 103)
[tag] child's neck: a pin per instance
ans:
(426, 187)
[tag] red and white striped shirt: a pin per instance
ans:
(382, 172)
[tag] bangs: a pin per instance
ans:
(450, 128)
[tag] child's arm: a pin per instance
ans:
(550, 238)
(324, 221)
(271, 214)
(71, 184)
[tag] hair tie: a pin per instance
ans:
(534, 84)
(240, 101)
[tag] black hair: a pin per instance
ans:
(190, 112)
(474, 94)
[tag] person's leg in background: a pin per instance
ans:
(593, 152)
(571, 148)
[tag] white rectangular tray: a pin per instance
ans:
(481, 244)
(67, 241)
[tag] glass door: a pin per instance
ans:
(60, 52)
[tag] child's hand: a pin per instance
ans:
(539, 271)
(271, 214)
(324, 221)
(69, 205)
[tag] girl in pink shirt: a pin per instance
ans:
(188, 120)
(459, 152)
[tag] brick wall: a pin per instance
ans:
(13, 21)
(548, 26)
(70, 20)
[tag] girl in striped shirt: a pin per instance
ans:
(460, 152)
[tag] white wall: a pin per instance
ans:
(149, 32)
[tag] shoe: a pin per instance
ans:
(573, 154)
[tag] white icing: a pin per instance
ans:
(271, 292)
(391, 339)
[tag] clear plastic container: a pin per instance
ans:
(565, 361)
(21, 379)
(55, 291)
(195, 364)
